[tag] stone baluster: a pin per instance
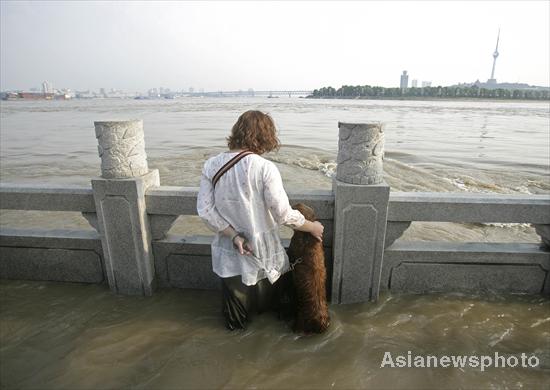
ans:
(119, 196)
(360, 212)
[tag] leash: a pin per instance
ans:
(292, 265)
(259, 261)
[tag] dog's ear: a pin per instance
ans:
(306, 211)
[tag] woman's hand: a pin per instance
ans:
(242, 245)
(239, 241)
(317, 230)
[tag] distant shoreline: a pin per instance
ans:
(427, 98)
(402, 98)
(460, 92)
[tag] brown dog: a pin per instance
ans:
(309, 275)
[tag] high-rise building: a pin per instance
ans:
(47, 87)
(414, 83)
(404, 80)
(426, 84)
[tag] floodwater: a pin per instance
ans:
(457, 140)
(82, 336)
(70, 336)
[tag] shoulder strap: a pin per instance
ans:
(228, 165)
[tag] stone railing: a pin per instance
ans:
(132, 251)
(417, 266)
(77, 255)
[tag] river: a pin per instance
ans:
(81, 336)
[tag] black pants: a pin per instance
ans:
(241, 301)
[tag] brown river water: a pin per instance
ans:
(75, 336)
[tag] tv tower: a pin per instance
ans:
(492, 80)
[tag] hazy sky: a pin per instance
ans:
(269, 45)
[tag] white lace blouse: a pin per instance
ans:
(250, 197)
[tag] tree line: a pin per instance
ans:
(367, 91)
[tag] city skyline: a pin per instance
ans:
(305, 45)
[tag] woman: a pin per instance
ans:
(245, 204)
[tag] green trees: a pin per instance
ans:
(368, 91)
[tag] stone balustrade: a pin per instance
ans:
(131, 251)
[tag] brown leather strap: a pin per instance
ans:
(228, 165)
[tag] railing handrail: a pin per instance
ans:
(169, 200)
(469, 207)
(403, 206)
(41, 188)
(47, 198)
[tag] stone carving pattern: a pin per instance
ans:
(121, 147)
(360, 153)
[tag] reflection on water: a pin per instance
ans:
(76, 336)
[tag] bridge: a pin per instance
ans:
(251, 92)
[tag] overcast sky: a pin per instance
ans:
(269, 45)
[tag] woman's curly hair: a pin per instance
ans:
(254, 131)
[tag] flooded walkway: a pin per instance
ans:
(76, 336)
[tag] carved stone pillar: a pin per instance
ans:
(360, 153)
(122, 149)
(361, 206)
(119, 196)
